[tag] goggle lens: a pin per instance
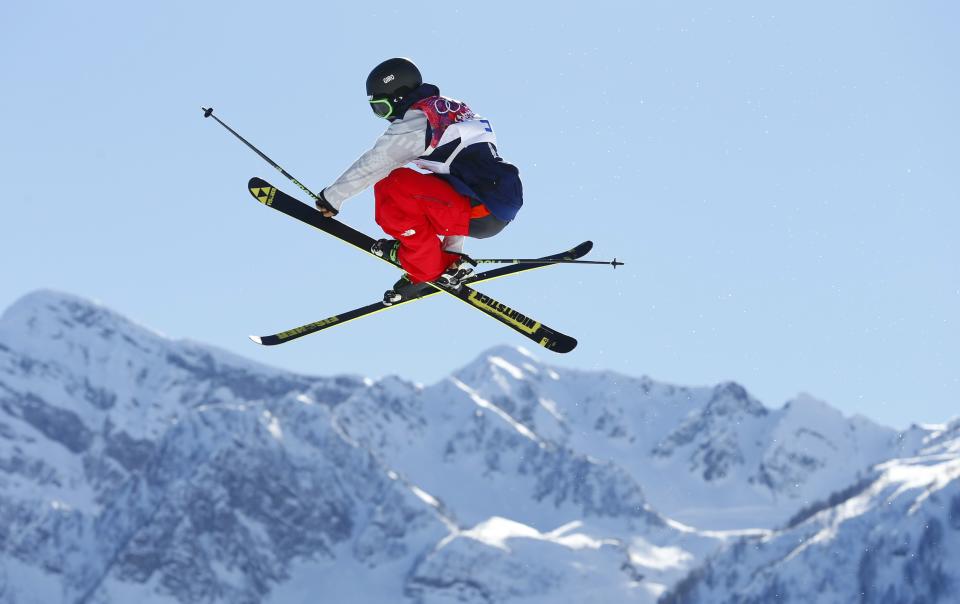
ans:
(381, 107)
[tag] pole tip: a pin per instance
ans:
(207, 112)
(616, 264)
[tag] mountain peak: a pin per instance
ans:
(804, 407)
(729, 398)
(48, 314)
(517, 355)
(513, 361)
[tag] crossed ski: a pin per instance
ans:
(369, 309)
(543, 335)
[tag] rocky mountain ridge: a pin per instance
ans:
(137, 467)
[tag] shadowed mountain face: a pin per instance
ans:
(134, 467)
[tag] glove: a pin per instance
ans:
(325, 207)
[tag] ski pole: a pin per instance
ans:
(614, 263)
(208, 112)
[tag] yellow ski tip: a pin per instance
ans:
(256, 339)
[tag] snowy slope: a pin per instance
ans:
(134, 467)
(714, 458)
(479, 462)
(894, 537)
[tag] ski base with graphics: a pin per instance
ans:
(304, 330)
(543, 335)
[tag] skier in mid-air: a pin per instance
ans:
(470, 190)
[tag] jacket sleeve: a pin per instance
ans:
(404, 141)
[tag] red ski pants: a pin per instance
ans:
(415, 209)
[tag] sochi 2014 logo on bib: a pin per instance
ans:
(445, 105)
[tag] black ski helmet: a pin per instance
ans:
(391, 80)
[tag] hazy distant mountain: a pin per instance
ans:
(134, 467)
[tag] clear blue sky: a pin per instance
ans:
(781, 179)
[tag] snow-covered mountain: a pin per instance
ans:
(892, 537)
(137, 467)
(714, 458)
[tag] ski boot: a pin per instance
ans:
(386, 248)
(459, 269)
(404, 289)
